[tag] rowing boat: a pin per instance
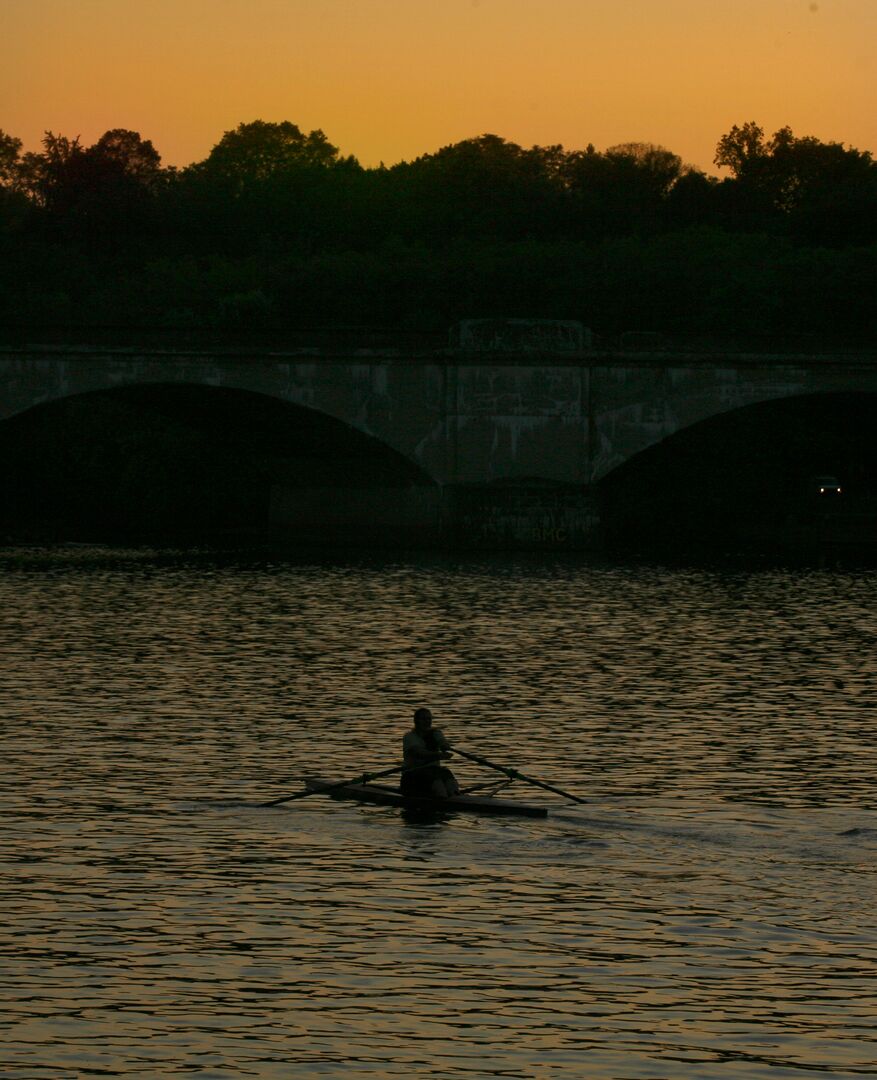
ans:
(388, 796)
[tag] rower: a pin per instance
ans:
(422, 748)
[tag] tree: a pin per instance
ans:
(102, 191)
(742, 150)
(485, 186)
(802, 165)
(14, 206)
(266, 186)
(124, 152)
(46, 175)
(259, 150)
(692, 200)
(10, 149)
(623, 190)
(655, 168)
(821, 190)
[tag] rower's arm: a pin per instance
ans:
(415, 752)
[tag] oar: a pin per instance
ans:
(363, 778)
(515, 775)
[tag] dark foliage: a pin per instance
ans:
(276, 230)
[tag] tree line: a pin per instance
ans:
(276, 229)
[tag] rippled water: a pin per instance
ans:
(709, 913)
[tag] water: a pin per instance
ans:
(709, 913)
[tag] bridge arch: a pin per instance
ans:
(638, 406)
(751, 473)
(193, 458)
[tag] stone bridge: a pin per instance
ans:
(467, 417)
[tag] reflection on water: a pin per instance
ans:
(709, 913)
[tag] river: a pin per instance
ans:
(709, 913)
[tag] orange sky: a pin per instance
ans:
(391, 79)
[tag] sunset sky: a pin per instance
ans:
(388, 80)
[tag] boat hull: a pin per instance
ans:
(387, 796)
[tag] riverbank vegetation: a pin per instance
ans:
(277, 231)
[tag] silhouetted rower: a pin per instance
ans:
(426, 745)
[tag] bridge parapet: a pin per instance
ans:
(560, 336)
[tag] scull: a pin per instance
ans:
(388, 796)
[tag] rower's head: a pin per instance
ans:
(423, 719)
